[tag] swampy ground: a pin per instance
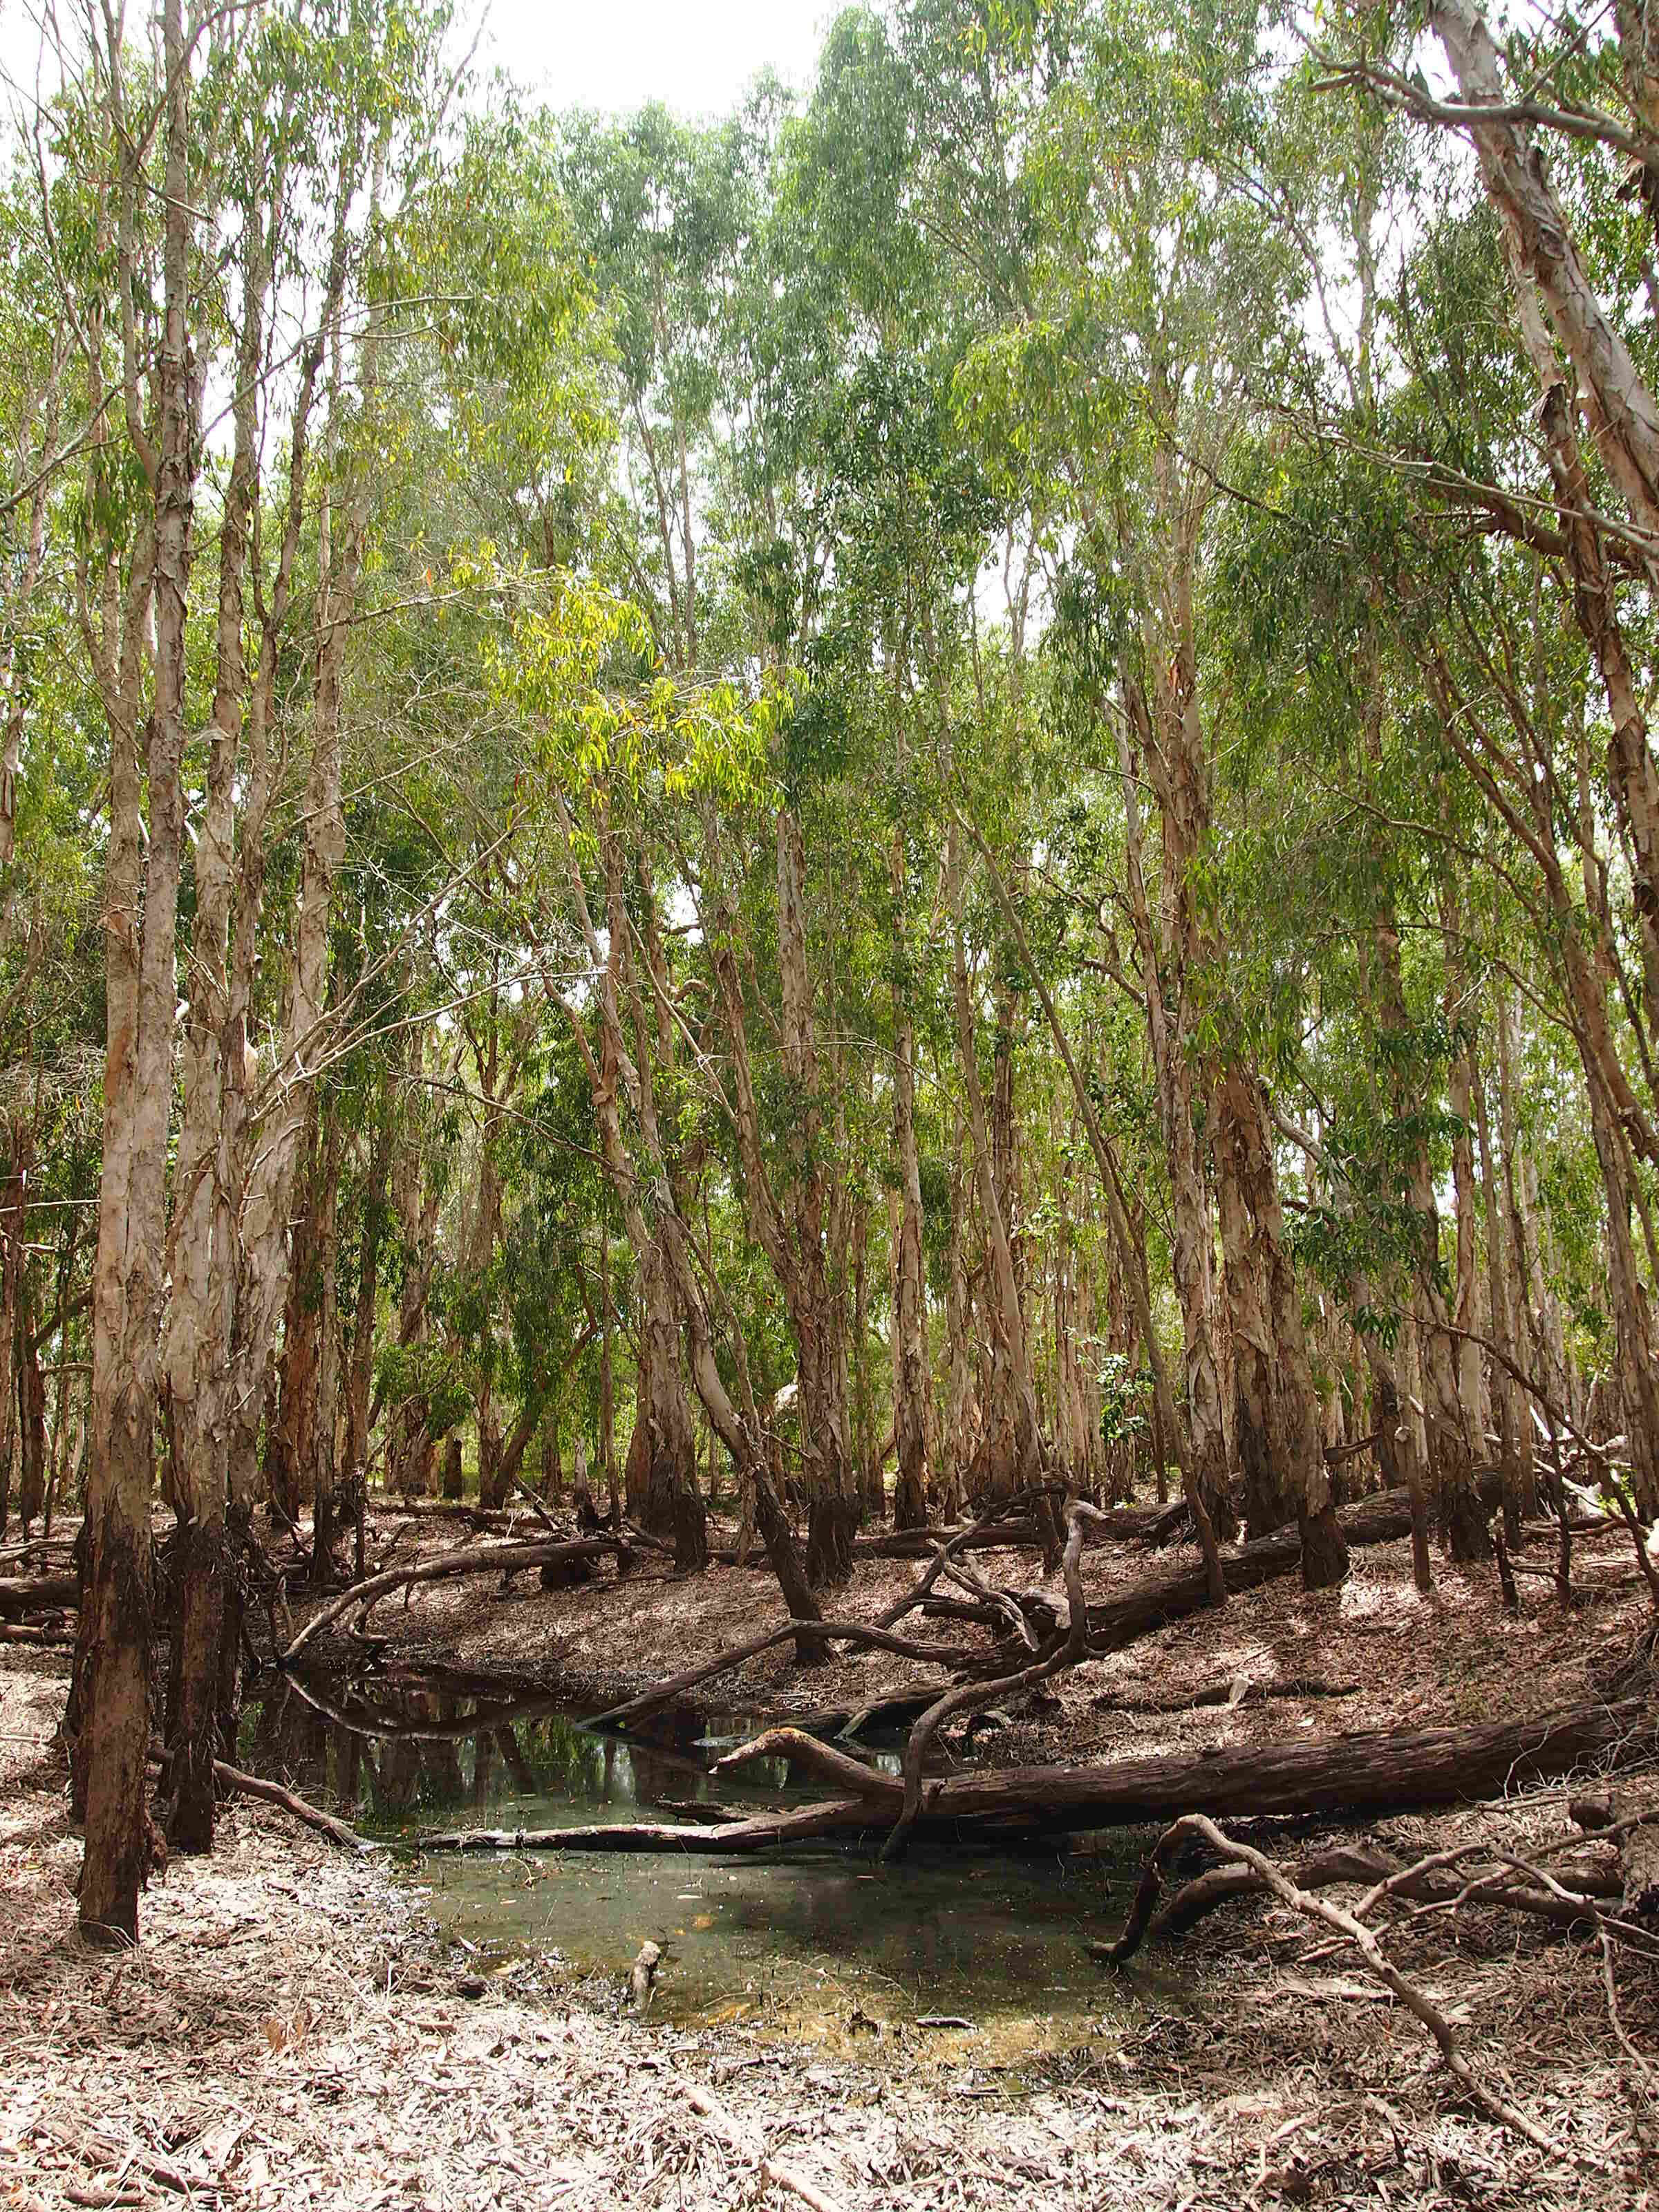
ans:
(300, 2027)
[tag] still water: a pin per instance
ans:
(824, 1942)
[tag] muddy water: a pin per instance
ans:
(824, 1943)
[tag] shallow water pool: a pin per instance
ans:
(824, 1942)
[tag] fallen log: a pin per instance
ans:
(849, 1721)
(1339, 1777)
(1361, 1775)
(1157, 1600)
(1637, 1834)
(27, 1593)
(918, 1543)
(463, 1561)
(849, 1775)
(1161, 1599)
(1240, 1690)
(844, 1632)
(52, 1640)
(312, 1816)
(911, 1544)
(272, 1793)
(1169, 1522)
(799, 1824)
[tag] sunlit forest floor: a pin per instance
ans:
(290, 2034)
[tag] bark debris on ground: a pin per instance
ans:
(290, 2034)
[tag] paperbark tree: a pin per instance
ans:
(145, 854)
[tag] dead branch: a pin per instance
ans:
(814, 1757)
(461, 1561)
(664, 1694)
(271, 1793)
(1152, 1916)
(1347, 1925)
(845, 1632)
(967, 1696)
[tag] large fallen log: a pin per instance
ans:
(27, 1593)
(1338, 1775)
(1155, 1601)
(1160, 1599)
(1340, 1778)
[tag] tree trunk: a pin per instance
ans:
(359, 1376)
(818, 1316)
(1012, 1451)
(1180, 778)
(910, 1374)
(1446, 1414)
(31, 1411)
(1278, 1411)
(1515, 1455)
(12, 1232)
(142, 867)
(1623, 416)
(665, 1228)
(325, 1426)
(290, 1450)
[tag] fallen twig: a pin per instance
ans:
(731, 2131)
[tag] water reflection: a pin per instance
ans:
(409, 1755)
(814, 1940)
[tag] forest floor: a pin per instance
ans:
(1380, 1656)
(290, 2034)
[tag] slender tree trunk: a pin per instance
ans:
(325, 1426)
(818, 1316)
(1278, 1406)
(31, 1410)
(1013, 1452)
(142, 869)
(12, 1231)
(290, 1452)
(1191, 1249)
(360, 1374)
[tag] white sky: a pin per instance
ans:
(694, 56)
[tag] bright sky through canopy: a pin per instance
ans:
(694, 56)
